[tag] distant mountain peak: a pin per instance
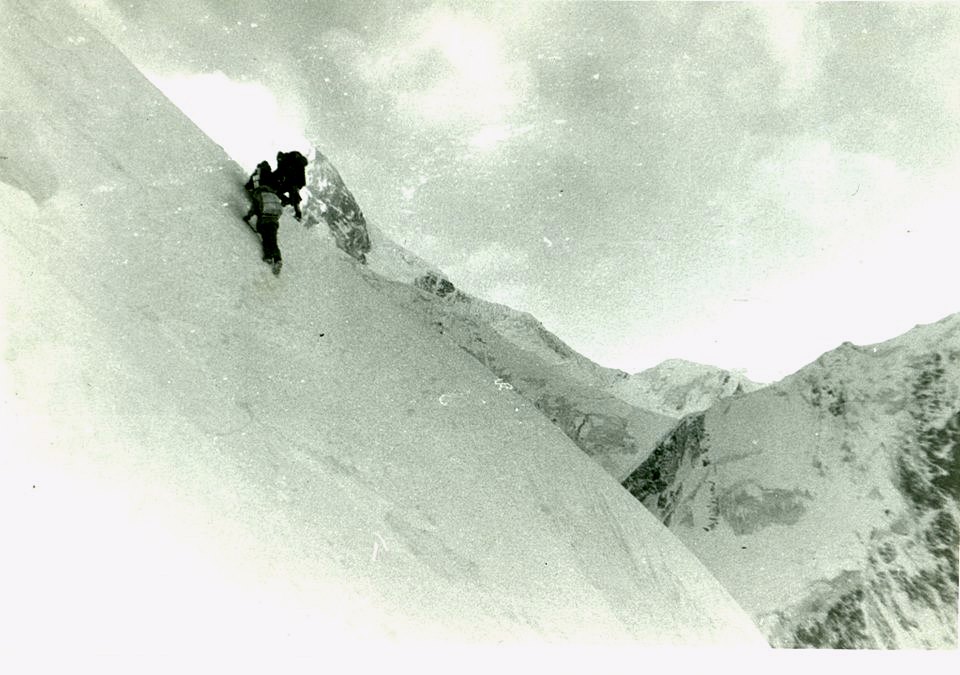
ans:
(678, 387)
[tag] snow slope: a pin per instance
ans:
(828, 503)
(200, 456)
(569, 389)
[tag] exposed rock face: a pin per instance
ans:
(436, 284)
(659, 473)
(332, 203)
(828, 504)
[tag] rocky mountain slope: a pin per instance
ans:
(828, 503)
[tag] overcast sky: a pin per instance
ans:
(741, 185)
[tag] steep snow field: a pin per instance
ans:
(569, 389)
(768, 520)
(828, 502)
(198, 455)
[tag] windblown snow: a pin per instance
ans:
(199, 454)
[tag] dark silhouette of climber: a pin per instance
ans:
(267, 208)
(289, 178)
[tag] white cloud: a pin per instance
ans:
(445, 66)
(245, 118)
(885, 261)
(793, 40)
(856, 248)
(494, 272)
(492, 136)
(838, 196)
(489, 137)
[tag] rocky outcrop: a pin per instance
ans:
(331, 202)
(655, 482)
(431, 282)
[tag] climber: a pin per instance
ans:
(262, 175)
(289, 178)
(267, 208)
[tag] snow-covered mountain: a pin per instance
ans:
(614, 417)
(518, 349)
(828, 503)
(678, 388)
(569, 389)
(575, 393)
(200, 456)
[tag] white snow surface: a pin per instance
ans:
(198, 455)
(574, 393)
